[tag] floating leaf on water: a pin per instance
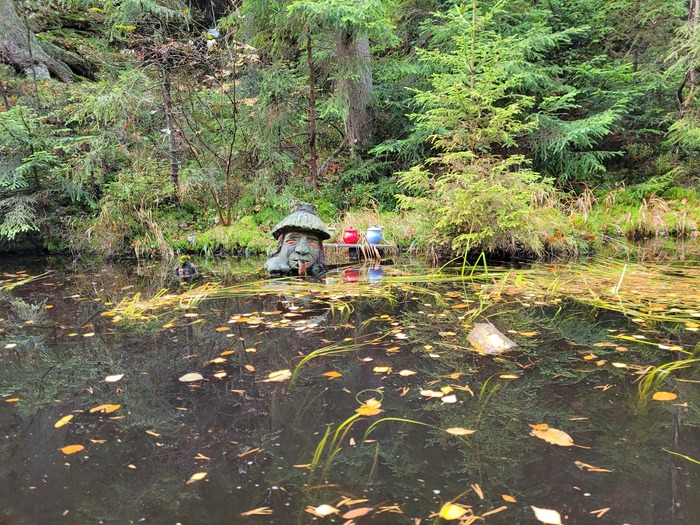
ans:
(332, 374)
(114, 378)
(260, 511)
(449, 399)
(220, 375)
(406, 373)
(509, 376)
(357, 513)
(64, 420)
(619, 365)
(12, 400)
(278, 376)
(218, 360)
(548, 516)
(223, 329)
(452, 511)
(250, 368)
(382, 369)
(197, 477)
(192, 376)
(508, 498)
(152, 433)
(590, 468)
(553, 436)
(459, 431)
(371, 407)
(107, 409)
(664, 396)
(322, 510)
(10, 345)
(72, 449)
(431, 393)
(89, 334)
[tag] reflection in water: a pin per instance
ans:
(277, 447)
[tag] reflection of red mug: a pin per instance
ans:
(351, 236)
(351, 276)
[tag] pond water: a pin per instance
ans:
(356, 398)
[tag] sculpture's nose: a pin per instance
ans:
(302, 247)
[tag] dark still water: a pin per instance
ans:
(126, 397)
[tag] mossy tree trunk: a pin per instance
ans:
(20, 48)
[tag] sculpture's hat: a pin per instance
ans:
(302, 218)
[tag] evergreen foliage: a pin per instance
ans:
(482, 112)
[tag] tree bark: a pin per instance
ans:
(313, 157)
(22, 49)
(690, 79)
(356, 86)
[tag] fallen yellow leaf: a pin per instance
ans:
(458, 431)
(197, 477)
(509, 499)
(72, 449)
(452, 511)
(192, 376)
(664, 396)
(553, 436)
(107, 409)
(63, 421)
(278, 376)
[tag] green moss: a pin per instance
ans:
(243, 235)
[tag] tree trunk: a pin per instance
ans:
(22, 49)
(171, 132)
(356, 87)
(690, 79)
(313, 157)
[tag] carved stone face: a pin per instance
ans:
(299, 247)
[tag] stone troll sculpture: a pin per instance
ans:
(300, 237)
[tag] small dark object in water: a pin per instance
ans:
(185, 270)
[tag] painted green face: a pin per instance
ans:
(300, 246)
